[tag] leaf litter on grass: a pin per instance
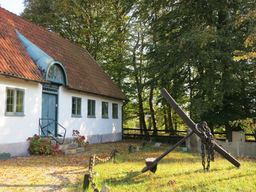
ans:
(48, 173)
(178, 171)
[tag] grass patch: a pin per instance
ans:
(178, 171)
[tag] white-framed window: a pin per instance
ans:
(76, 106)
(14, 101)
(91, 108)
(104, 109)
(114, 110)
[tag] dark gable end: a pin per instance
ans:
(83, 73)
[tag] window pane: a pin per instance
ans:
(105, 109)
(51, 73)
(78, 106)
(9, 108)
(102, 109)
(10, 100)
(10, 93)
(19, 101)
(59, 74)
(73, 106)
(89, 107)
(93, 108)
(18, 108)
(115, 110)
(19, 94)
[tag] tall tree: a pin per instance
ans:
(198, 39)
(80, 21)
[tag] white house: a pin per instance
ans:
(43, 75)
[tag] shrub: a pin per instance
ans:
(41, 146)
(80, 139)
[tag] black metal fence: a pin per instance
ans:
(173, 135)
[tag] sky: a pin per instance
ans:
(14, 6)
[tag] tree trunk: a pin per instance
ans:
(228, 132)
(170, 120)
(142, 117)
(165, 119)
(141, 126)
(139, 94)
(190, 93)
(152, 111)
(149, 125)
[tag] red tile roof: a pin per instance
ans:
(83, 73)
(14, 59)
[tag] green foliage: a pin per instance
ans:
(41, 146)
(194, 58)
(248, 124)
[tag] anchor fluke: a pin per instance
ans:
(151, 165)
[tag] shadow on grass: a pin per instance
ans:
(199, 171)
(211, 181)
(125, 180)
(170, 158)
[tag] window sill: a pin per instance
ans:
(115, 118)
(91, 116)
(76, 116)
(104, 117)
(15, 114)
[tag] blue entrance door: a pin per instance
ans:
(49, 110)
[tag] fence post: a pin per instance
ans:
(86, 181)
(130, 148)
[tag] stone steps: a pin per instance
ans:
(72, 151)
(68, 147)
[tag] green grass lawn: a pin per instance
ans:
(178, 171)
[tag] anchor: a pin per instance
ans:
(207, 138)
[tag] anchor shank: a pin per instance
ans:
(173, 147)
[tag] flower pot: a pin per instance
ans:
(4, 156)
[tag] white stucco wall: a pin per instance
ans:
(19, 128)
(16, 129)
(86, 125)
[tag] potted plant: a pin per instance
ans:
(5, 156)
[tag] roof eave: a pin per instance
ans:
(26, 79)
(70, 88)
